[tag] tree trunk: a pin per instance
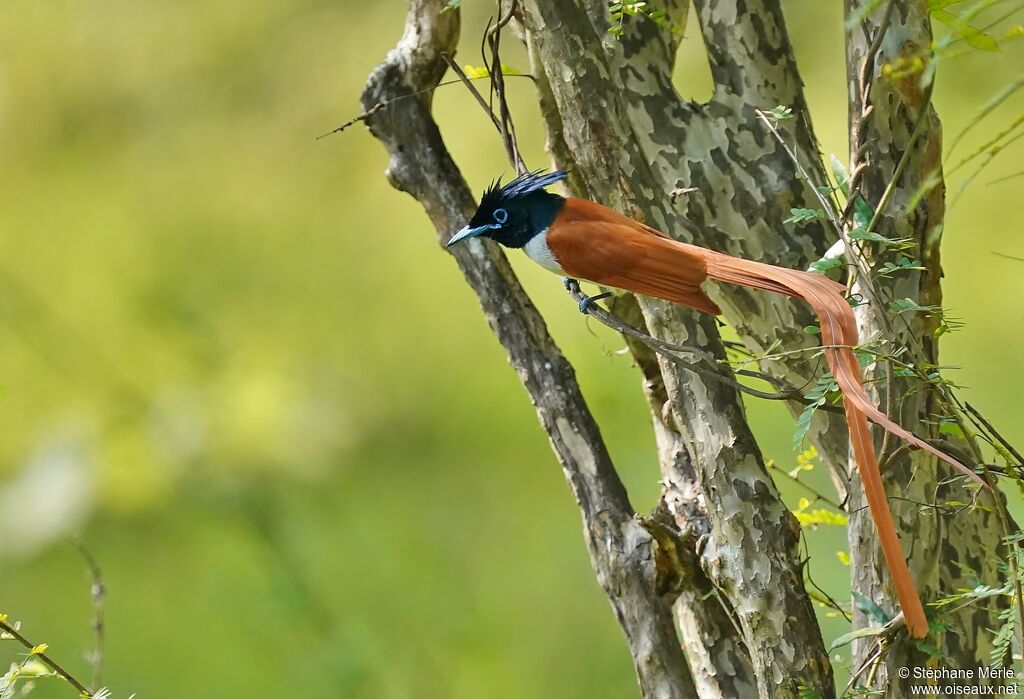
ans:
(721, 548)
(952, 552)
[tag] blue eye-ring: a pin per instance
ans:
(501, 215)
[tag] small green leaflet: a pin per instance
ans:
(817, 397)
(840, 174)
(621, 9)
(804, 215)
(821, 266)
(905, 264)
(974, 37)
(476, 72)
(780, 113)
(848, 638)
(872, 610)
(810, 518)
(862, 234)
(1004, 637)
(908, 305)
(862, 212)
(452, 5)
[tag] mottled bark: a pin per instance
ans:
(719, 660)
(950, 552)
(750, 553)
(622, 551)
(721, 545)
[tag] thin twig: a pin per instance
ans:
(467, 81)
(805, 565)
(46, 659)
(98, 594)
(810, 489)
(992, 430)
(826, 205)
(381, 105)
(669, 351)
(492, 37)
(905, 158)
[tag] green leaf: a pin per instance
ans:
(810, 518)
(864, 234)
(840, 174)
(804, 215)
(452, 5)
(848, 638)
(952, 428)
(1004, 637)
(780, 113)
(927, 647)
(821, 266)
(985, 110)
(908, 305)
(477, 72)
(630, 8)
(862, 212)
(905, 264)
(818, 397)
(974, 37)
(868, 606)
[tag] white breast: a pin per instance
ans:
(538, 251)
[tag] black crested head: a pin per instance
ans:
(513, 213)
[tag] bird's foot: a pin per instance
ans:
(587, 301)
(569, 283)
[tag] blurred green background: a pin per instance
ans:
(235, 363)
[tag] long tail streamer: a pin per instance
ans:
(839, 335)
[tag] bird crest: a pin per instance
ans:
(527, 183)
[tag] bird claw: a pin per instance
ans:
(587, 301)
(569, 283)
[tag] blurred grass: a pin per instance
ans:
(268, 403)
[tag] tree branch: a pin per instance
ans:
(621, 551)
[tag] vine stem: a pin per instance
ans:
(46, 660)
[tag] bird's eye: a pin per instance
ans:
(501, 215)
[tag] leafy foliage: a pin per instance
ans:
(990, 106)
(779, 113)
(805, 215)
(824, 390)
(819, 516)
(866, 605)
(824, 265)
(631, 8)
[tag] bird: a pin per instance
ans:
(581, 239)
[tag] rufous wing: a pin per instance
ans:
(599, 245)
